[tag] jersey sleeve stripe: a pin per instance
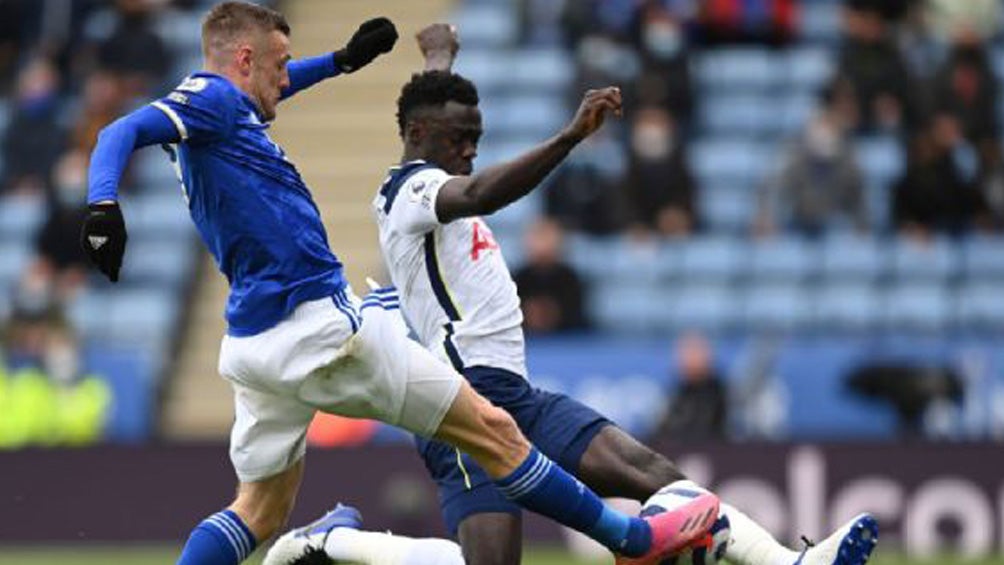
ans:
(436, 278)
(182, 130)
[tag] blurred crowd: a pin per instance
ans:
(916, 71)
(67, 68)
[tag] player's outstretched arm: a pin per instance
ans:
(373, 38)
(439, 44)
(497, 186)
(103, 235)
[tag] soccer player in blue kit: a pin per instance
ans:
(458, 296)
(298, 340)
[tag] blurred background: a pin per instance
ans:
(782, 266)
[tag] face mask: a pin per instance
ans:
(652, 142)
(61, 363)
(823, 141)
(663, 40)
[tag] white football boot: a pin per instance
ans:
(851, 544)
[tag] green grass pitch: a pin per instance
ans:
(140, 555)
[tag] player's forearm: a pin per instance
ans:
(440, 60)
(304, 73)
(117, 141)
(500, 185)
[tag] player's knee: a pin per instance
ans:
(508, 443)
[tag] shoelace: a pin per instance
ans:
(809, 544)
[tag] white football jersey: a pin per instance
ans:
(456, 291)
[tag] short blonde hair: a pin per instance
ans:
(227, 21)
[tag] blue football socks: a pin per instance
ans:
(540, 485)
(221, 539)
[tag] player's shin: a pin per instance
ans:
(221, 539)
(751, 544)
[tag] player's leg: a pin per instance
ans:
(267, 444)
(616, 464)
(389, 377)
(338, 535)
(487, 524)
(259, 511)
(492, 539)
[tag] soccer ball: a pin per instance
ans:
(709, 549)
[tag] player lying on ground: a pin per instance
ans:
(298, 340)
(458, 296)
(344, 541)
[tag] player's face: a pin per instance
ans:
(453, 135)
(269, 75)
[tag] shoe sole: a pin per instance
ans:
(857, 546)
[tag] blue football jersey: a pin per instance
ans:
(251, 207)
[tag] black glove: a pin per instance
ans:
(103, 238)
(373, 37)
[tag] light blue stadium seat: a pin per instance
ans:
(737, 114)
(784, 258)
(626, 305)
(486, 25)
(154, 171)
(542, 69)
(980, 306)
(481, 66)
(21, 216)
(539, 116)
(881, 158)
(159, 262)
(918, 306)
(795, 113)
(158, 213)
(729, 160)
(491, 153)
(88, 314)
(997, 61)
(706, 307)
(727, 207)
(590, 255)
(14, 257)
(842, 306)
(854, 258)
(820, 21)
(717, 258)
(983, 258)
(937, 260)
(517, 216)
(145, 316)
(809, 68)
(777, 307)
(741, 69)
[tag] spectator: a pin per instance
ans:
(660, 187)
(937, 193)
(33, 139)
(102, 101)
(965, 89)
(133, 52)
(584, 193)
(58, 252)
(660, 39)
(819, 184)
(870, 60)
(699, 409)
(950, 18)
(550, 290)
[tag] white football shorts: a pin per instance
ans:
(339, 355)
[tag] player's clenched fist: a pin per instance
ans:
(595, 106)
(103, 238)
(373, 38)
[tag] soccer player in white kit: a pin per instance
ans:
(459, 298)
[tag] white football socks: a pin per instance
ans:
(374, 548)
(751, 544)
